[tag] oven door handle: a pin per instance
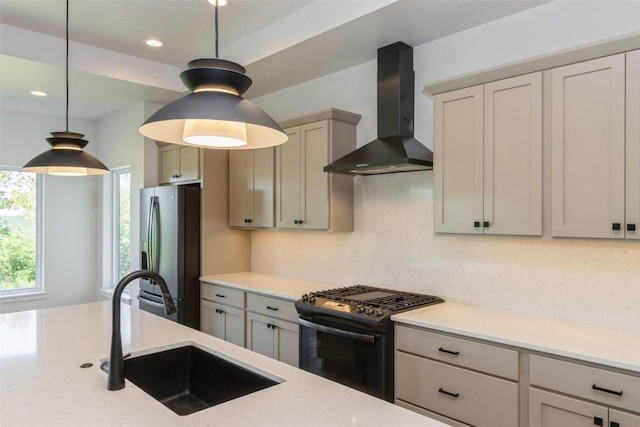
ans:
(338, 332)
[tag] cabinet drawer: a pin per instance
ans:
(457, 393)
(469, 354)
(222, 295)
(582, 381)
(272, 307)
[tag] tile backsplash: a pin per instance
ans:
(582, 280)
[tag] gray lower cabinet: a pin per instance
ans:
(259, 322)
(223, 321)
(275, 338)
(463, 381)
(272, 328)
(222, 313)
(548, 409)
(579, 395)
(460, 381)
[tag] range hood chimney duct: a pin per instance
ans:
(395, 149)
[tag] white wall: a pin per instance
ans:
(121, 145)
(393, 245)
(71, 209)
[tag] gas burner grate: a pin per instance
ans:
(393, 300)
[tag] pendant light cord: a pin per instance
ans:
(216, 28)
(67, 70)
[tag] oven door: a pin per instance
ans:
(355, 358)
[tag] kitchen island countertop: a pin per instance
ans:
(42, 383)
(587, 343)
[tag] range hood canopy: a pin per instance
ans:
(395, 149)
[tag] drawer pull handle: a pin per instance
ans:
(444, 350)
(219, 311)
(448, 393)
(221, 296)
(272, 308)
(606, 390)
(269, 325)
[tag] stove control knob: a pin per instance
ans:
(312, 298)
(369, 310)
(379, 312)
(305, 297)
(360, 308)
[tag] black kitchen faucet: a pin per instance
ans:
(116, 361)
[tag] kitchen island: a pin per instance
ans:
(42, 381)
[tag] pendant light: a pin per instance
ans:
(66, 158)
(214, 114)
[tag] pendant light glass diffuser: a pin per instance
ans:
(66, 158)
(214, 114)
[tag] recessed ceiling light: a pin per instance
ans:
(38, 93)
(153, 43)
(220, 2)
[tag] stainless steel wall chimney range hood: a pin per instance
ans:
(395, 149)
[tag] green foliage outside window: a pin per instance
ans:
(124, 223)
(17, 230)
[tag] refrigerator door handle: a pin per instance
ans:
(147, 257)
(153, 235)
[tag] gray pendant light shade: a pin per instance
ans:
(66, 158)
(214, 115)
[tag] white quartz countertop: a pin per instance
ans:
(275, 286)
(41, 382)
(610, 347)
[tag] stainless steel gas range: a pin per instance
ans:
(346, 334)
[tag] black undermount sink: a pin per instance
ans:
(187, 379)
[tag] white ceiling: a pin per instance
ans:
(281, 43)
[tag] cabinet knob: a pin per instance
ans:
(249, 220)
(485, 224)
(631, 227)
(597, 421)
(476, 224)
(615, 226)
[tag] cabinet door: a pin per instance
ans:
(262, 195)
(211, 322)
(458, 168)
(513, 156)
(315, 186)
(623, 419)
(168, 164)
(188, 163)
(553, 410)
(289, 180)
(286, 342)
(223, 321)
(234, 324)
(588, 143)
(240, 187)
(260, 334)
(633, 146)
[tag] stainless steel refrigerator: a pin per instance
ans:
(170, 234)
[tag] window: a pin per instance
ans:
(121, 222)
(20, 233)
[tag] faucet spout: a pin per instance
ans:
(116, 361)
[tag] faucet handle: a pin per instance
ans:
(169, 305)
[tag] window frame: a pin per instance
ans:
(115, 221)
(38, 291)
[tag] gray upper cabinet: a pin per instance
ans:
(306, 196)
(251, 188)
(488, 158)
(595, 148)
(179, 164)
